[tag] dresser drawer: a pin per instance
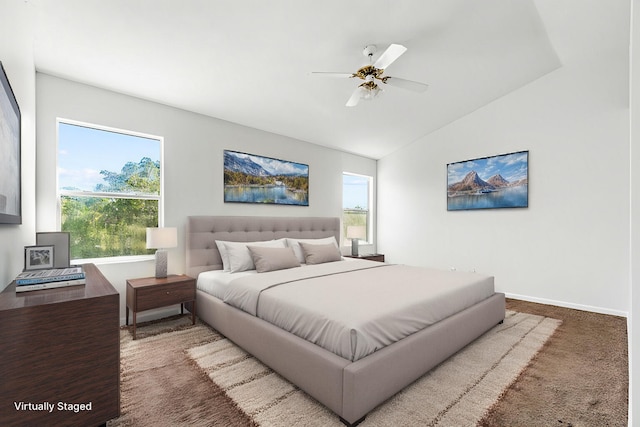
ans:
(157, 296)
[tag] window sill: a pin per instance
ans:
(114, 260)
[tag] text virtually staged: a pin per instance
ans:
(51, 407)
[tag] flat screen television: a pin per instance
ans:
(10, 179)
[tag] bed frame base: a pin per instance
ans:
(351, 389)
(348, 424)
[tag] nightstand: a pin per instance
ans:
(150, 292)
(370, 257)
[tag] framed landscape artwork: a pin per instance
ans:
(249, 178)
(10, 181)
(489, 183)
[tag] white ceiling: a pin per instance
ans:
(250, 61)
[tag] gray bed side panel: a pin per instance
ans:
(382, 374)
(315, 370)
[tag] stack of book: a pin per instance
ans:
(47, 279)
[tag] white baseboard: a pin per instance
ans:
(582, 307)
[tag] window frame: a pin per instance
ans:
(370, 239)
(74, 193)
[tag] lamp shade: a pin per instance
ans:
(162, 237)
(356, 232)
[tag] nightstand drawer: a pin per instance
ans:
(162, 295)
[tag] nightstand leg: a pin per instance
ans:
(193, 313)
(182, 308)
(134, 325)
(126, 322)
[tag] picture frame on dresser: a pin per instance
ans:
(10, 166)
(38, 257)
(60, 240)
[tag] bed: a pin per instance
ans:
(349, 384)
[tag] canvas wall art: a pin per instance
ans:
(250, 178)
(500, 181)
(10, 180)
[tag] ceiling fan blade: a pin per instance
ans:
(392, 53)
(355, 97)
(331, 74)
(405, 84)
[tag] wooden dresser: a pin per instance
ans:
(60, 354)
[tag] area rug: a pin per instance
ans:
(456, 393)
(159, 384)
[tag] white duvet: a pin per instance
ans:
(357, 307)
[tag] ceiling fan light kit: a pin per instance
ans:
(369, 89)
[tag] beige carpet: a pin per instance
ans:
(457, 393)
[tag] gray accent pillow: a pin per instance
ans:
(272, 259)
(318, 254)
(238, 256)
(295, 244)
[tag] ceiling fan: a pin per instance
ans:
(372, 75)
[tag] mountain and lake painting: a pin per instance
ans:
(249, 178)
(489, 182)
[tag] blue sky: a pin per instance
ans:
(512, 167)
(83, 152)
(355, 191)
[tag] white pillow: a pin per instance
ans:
(240, 257)
(223, 254)
(295, 245)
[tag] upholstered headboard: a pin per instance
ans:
(203, 231)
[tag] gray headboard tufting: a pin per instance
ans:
(203, 231)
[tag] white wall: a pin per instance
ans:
(571, 245)
(193, 161)
(634, 320)
(16, 54)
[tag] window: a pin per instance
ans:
(356, 201)
(109, 188)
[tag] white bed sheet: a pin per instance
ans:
(215, 282)
(354, 313)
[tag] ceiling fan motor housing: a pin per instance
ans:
(370, 50)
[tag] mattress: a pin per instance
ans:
(215, 282)
(350, 308)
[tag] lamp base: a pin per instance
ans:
(161, 264)
(354, 247)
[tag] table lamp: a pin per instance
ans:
(355, 233)
(161, 238)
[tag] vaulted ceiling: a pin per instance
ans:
(250, 61)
